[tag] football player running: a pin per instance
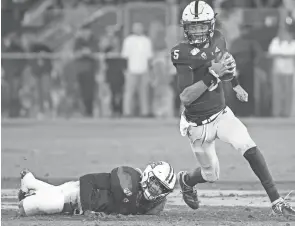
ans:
(124, 190)
(202, 62)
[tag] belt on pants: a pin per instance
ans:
(210, 119)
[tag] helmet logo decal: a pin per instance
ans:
(154, 164)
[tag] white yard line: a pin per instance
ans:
(228, 198)
(208, 193)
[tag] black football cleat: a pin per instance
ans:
(283, 208)
(189, 194)
(21, 195)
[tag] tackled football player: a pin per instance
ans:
(124, 190)
(202, 62)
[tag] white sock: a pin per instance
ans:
(276, 201)
(29, 182)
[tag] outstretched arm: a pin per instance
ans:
(241, 94)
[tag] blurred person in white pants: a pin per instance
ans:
(282, 48)
(137, 49)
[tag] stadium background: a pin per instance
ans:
(53, 27)
(59, 142)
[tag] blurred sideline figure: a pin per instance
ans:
(246, 52)
(13, 74)
(109, 42)
(125, 190)
(86, 68)
(115, 77)
(174, 35)
(137, 49)
(163, 95)
(282, 48)
(41, 69)
(115, 66)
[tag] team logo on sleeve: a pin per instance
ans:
(127, 192)
(195, 51)
(125, 200)
(204, 56)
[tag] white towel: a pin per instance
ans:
(184, 125)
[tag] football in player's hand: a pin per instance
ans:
(227, 60)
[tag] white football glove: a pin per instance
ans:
(223, 65)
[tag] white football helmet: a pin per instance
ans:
(158, 180)
(198, 22)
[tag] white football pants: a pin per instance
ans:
(47, 198)
(226, 127)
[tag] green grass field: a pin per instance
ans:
(65, 149)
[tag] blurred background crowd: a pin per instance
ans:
(111, 58)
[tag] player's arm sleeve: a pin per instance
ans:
(194, 91)
(157, 209)
(90, 182)
(184, 73)
(235, 81)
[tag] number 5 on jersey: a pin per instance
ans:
(176, 54)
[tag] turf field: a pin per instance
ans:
(60, 150)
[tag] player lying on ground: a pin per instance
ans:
(124, 190)
(202, 62)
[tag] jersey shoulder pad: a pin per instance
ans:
(179, 45)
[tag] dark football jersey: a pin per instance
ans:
(192, 65)
(125, 186)
(115, 192)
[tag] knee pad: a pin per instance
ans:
(246, 145)
(47, 201)
(210, 174)
(243, 142)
